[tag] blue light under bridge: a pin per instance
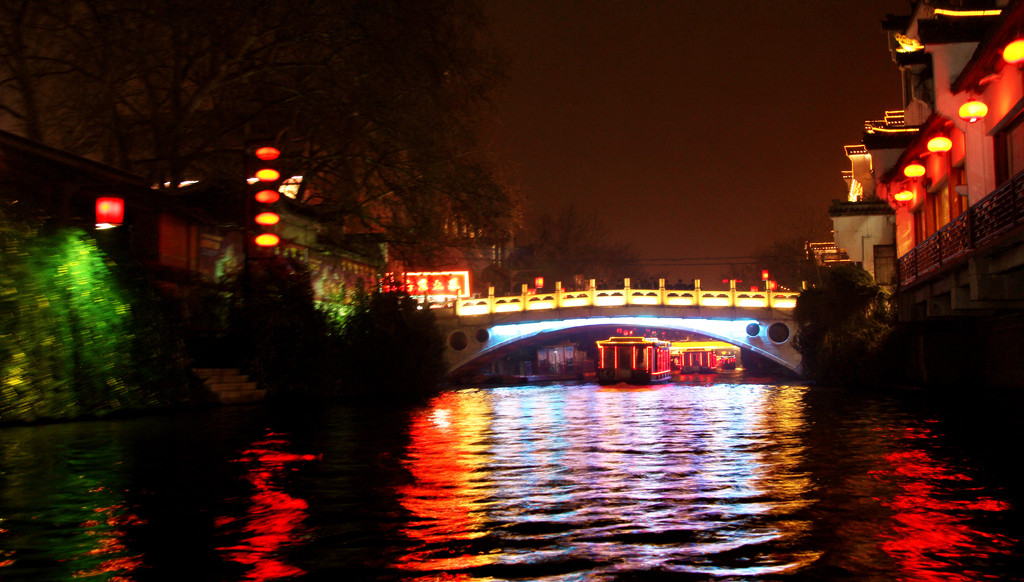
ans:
(771, 339)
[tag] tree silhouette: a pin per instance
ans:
(374, 102)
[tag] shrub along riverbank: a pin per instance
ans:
(81, 334)
(847, 332)
(376, 347)
(85, 335)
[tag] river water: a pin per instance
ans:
(733, 481)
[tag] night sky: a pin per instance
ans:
(695, 129)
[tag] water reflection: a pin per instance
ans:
(707, 480)
(740, 481)
(671, 479)
(447, 497)
(933, 505)
(68, 479)
(274, 520)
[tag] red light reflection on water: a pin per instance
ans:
(274, 519)
(930, 529)
(109, 530)
(444, 495)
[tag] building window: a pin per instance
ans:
(885, 264)
(1009, 145)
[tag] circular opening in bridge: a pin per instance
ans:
(778, 332)
(482, 335)
(458, 341)
(753, 329)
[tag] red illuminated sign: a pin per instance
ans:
(438, 283)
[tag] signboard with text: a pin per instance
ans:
(438, 283)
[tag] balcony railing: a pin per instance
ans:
(988, 220)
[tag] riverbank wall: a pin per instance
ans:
(976, 353)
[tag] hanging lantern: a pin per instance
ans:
(904, 196)
(109, 211)
(1013, 53)
(267, 153)
(267, 218)
(267, 196)
(268, 175)
(538, 282)
(913, 170)
(267, 239)
(940, 143)
(973, 111)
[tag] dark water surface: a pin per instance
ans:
(681, 482)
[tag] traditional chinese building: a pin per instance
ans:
(950, 168)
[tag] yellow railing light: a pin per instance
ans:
(683, 301)
(645, 301)
(752, 302)
(715, 301)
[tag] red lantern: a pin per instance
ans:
(913, 170)
(538, 282)
(764, 274)
(973, 111)
(268, 175)
(940, 143)
(1013, 53)
(110, 210)
(264, 187)
(267, 196)
(267, 218)
(267, 239)
(267, 153)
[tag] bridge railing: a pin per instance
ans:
(594, 297)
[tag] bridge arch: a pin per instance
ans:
(771, 338)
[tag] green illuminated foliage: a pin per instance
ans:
(75, 337)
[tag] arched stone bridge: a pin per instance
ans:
(760, 321)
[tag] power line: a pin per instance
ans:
(702, 261)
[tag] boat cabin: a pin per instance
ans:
(634, 360)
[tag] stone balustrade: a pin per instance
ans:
(594, 297)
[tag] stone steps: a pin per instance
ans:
(230, 385)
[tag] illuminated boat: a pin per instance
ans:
(633, 360)
(703, 357)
